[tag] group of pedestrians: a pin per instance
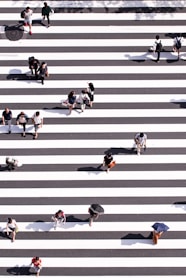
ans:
(40, 70)
(85, 98)
(22, 119)
(27, 13)
(158, 46)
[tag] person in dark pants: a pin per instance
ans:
(46, 10)
(108, 161)
(7, 118)
(43, 72)
(157, 47)
(33, 65)
(22, 119)
(11, 163)
(93, 216)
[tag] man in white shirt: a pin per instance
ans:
(140, 140)
(38, 122)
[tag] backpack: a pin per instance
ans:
(178, 43)
(159, 46)
(23, 14)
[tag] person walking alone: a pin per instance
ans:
(59, 218)
(46, 10)
(178, 40)
(157, 47)
(108, 161)
(11, 228)
(140, 140)
(37, 265)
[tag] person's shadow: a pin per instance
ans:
(133, 238)
(16, 74)
(19, 270)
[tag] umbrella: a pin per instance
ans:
(160, 227)
(96, 208)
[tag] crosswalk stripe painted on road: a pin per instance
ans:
(99, 192)
(110, 98)
(92, 175)
(96, 227)
(104, 42)
(109, 209)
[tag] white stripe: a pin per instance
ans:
(98, 262)
(85, 128)
(95, 3)
(99, 69)
(103, 113)
(99, 16)
(83, 42)
(93, 244)
(111, 29)
(109, 209)
(92, 175)
(71, 144)
(96, 159)
(173, 83)
(93, 192)
(71, 56)
(114, 98)
(96, 227)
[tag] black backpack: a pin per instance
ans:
(159, 46)
(23, 14)
(178, 43)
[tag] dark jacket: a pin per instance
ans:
(46, 10)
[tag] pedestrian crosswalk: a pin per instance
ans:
(105, 42)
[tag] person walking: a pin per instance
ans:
(33, 65)
(157, 47)
(83, 99)
(43, 72)
(140, 140)
(46, 10)
(156, 236)
(38, 123)
(12, 163)
(93, 216)
(22, 119)
(108, 161)
(7, 118)
(71, 101)
(11, 228)
(178, 40)
(90, 91)
(37, 265)
(28, 19)
(59, 218)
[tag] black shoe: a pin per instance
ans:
(9, 132)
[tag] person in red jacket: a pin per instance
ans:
(37, 265)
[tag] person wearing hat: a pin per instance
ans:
(140, 141)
